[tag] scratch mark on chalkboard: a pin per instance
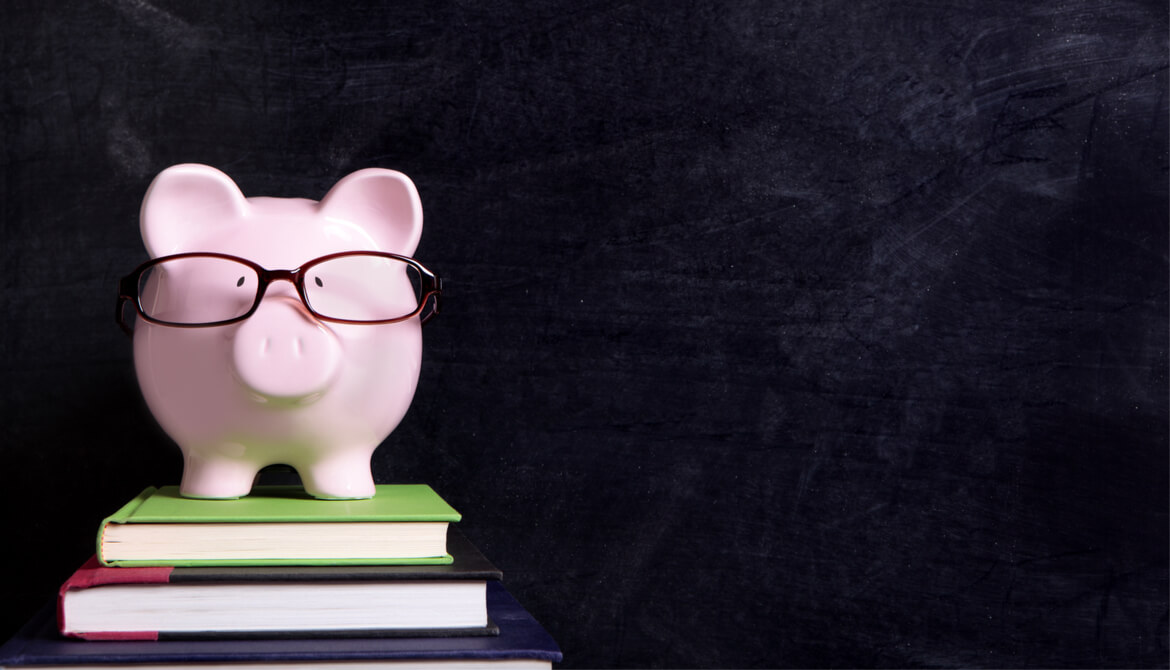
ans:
(998, 137)
(852, 518)
(806, 476)
(1058, 556)
(900, 244)
(127, 149)
(560, 19)
(166, 25)
(471, 116)
(976, 41)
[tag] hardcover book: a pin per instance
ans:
(151, 603)
(522, 643)
(278, 525)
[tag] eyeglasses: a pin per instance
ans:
(208, 289)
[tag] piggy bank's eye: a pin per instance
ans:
(319, 282)
(240, 282)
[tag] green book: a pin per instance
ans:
(403, 524)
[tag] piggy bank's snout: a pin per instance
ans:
(281, 351)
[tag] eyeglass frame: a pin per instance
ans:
(430, 285)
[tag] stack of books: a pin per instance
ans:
(280, 579)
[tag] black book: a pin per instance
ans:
(153, 603)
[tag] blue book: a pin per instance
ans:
(522, 643)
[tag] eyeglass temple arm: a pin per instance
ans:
(436, 291)
(127, 291)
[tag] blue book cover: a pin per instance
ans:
(521, 639)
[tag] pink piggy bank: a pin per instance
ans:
(278, 330)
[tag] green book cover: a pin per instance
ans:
(392, 503)
(281, 504)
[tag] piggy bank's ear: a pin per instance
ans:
(383, 202)
(183, 203)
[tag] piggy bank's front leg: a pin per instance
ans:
(340, 475)
(213, 474)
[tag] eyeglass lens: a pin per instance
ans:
(201, 289)
(197, 289)
(363, 288)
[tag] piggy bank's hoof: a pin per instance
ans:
(216, 479)
(341, 480)
(347, 493)
(322, 496)
(197, 496)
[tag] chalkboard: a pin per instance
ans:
(775, 334)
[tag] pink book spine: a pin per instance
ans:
(93, 574)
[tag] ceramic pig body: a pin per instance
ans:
(280, 386)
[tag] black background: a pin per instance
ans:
(775, 333)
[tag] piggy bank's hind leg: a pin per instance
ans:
(341, 476)
(216, 476)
